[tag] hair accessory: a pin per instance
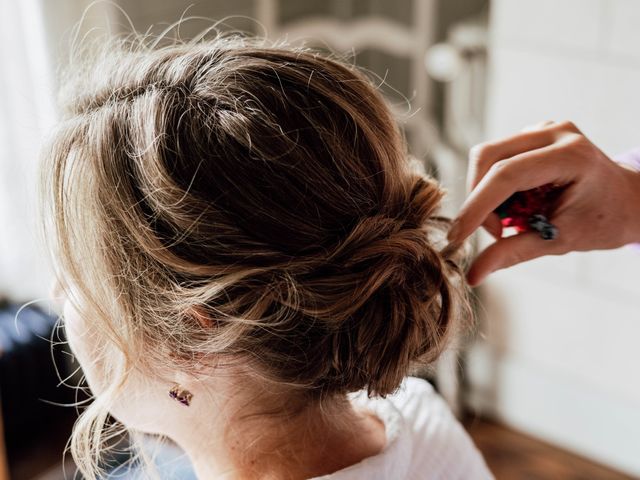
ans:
(530, 210)
(181, 395)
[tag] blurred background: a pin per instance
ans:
(548, 387)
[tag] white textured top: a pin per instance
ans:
(424, 439)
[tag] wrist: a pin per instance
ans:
(632, 203)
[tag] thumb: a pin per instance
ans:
(510, 251)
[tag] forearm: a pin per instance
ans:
(631, 161)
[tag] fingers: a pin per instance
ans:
(539, 125)
(493, 225)
(510, 251)
(505, 177)
(542, 134)
(483, 156)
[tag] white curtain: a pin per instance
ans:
(34, 40)
(26, 114)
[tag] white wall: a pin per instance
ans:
(562, 348)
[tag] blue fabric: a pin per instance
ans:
(172, 464)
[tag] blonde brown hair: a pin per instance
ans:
(230, 201)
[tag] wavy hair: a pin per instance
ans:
(237, 202)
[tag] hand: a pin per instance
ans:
(599, 208)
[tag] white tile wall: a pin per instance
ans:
(624, 36)
(565, 331)
(529, 85)
(617, 126)
(569, 328)
(615, 274)
(551, 23)
(552, 405)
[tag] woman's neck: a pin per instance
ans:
(301, 447)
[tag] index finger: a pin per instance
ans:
(484, 155)
(505, 177)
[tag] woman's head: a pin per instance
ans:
(228, 205)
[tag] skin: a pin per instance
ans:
(298, 448)
(597, 211)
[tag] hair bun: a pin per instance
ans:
(399, 310)
(405, 256)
